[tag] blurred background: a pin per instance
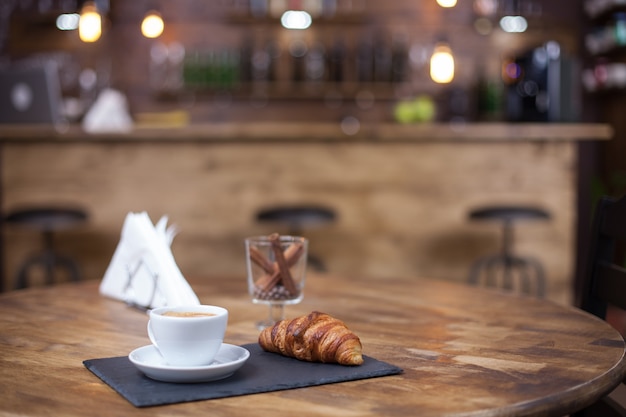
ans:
(240, 60)
(351, 70)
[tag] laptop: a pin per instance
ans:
(30, 95)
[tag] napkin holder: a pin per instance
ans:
(143, 272)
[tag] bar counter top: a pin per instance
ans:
(401, 193)
(294, 131)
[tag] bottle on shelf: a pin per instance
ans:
(399, 58)
(212, 69)
(258, 8)
(315, 63)
(263, 61)
(298, 50)
(382, 59)
(245, 60)
(364, 61)
(336, 61)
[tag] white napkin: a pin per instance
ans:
(109, 113)
(143, 271)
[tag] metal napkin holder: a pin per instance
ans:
(130, 296)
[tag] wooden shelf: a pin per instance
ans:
(299, 132)
(356, 18)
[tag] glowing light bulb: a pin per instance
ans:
(90, 23)
(442, 64)
(514, 24)
(446, 3)
(68, 21)
(152, 25)
(296, 19)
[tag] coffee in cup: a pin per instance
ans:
(171, 313)
(188, 335)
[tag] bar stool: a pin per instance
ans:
(46, 220)
(296, 219)
(530, 272)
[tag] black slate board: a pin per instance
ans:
(262, 372)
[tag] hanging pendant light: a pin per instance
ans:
(442, 64)
(152, 25)
(90, 23)
(446, 3)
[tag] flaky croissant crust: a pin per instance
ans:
(316, 337)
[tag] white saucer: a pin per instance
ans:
(228, 359)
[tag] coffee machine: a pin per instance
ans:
(543, 85)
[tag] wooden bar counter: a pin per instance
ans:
(401, 193)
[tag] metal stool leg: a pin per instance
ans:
(531, 276)
(514, 273)
(525, 279)
(486, 269)
(49, 261)
(494, 265)
(474, 275)
(45, 260)
(70, 266)
(48, 257)
(509, 272)
(540, 275)
(478, 266)
(21, 278)
(507, 254)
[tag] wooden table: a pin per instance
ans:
(464, 351)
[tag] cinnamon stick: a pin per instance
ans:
(268, 281)
(257, 257)
(291, 254)
(285, 273)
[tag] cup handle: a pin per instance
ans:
(151, 335)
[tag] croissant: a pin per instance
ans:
(316, 337)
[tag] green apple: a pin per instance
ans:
(420, 109)
(424, 109)
(403, 111)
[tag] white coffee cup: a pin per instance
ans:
(188, 335)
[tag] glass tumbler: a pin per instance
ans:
(276, 270)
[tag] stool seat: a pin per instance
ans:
(297, 218)
(530, 274)
(46, 220)
(508, 213)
